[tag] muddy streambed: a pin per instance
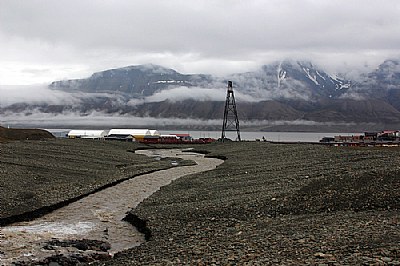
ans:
(97, 217)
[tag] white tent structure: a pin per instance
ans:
(129, 132)
(87, 134)
(132, 134)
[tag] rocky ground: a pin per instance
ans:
(39, 176)
(277, 205)
(268, 204)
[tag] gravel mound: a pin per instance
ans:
(8, 134)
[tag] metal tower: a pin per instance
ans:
(231, 121)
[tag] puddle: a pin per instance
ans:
(95, 217)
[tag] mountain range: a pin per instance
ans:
(275, 97)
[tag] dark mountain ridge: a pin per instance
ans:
(283, 91)
(135, 81)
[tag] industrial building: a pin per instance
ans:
(132, 134)
(149, 136)
(87, 134)
(387, 137)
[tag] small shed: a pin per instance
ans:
(184, 137)
(87, 134)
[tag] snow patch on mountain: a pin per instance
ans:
(281, 74)
(311, 76)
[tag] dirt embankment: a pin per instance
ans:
(9, 134)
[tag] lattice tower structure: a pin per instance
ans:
(231, 120)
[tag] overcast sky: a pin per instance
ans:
(46, 40)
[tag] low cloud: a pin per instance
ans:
(353, 95)
(298, 122)
(181, 93)
(176, 94)
(95, 119)
(37, 95)
(33, 94)
(100, 119)
(41, 94)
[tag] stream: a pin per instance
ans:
(97, 217)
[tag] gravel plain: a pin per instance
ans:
(267, 204)
(277, 205)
